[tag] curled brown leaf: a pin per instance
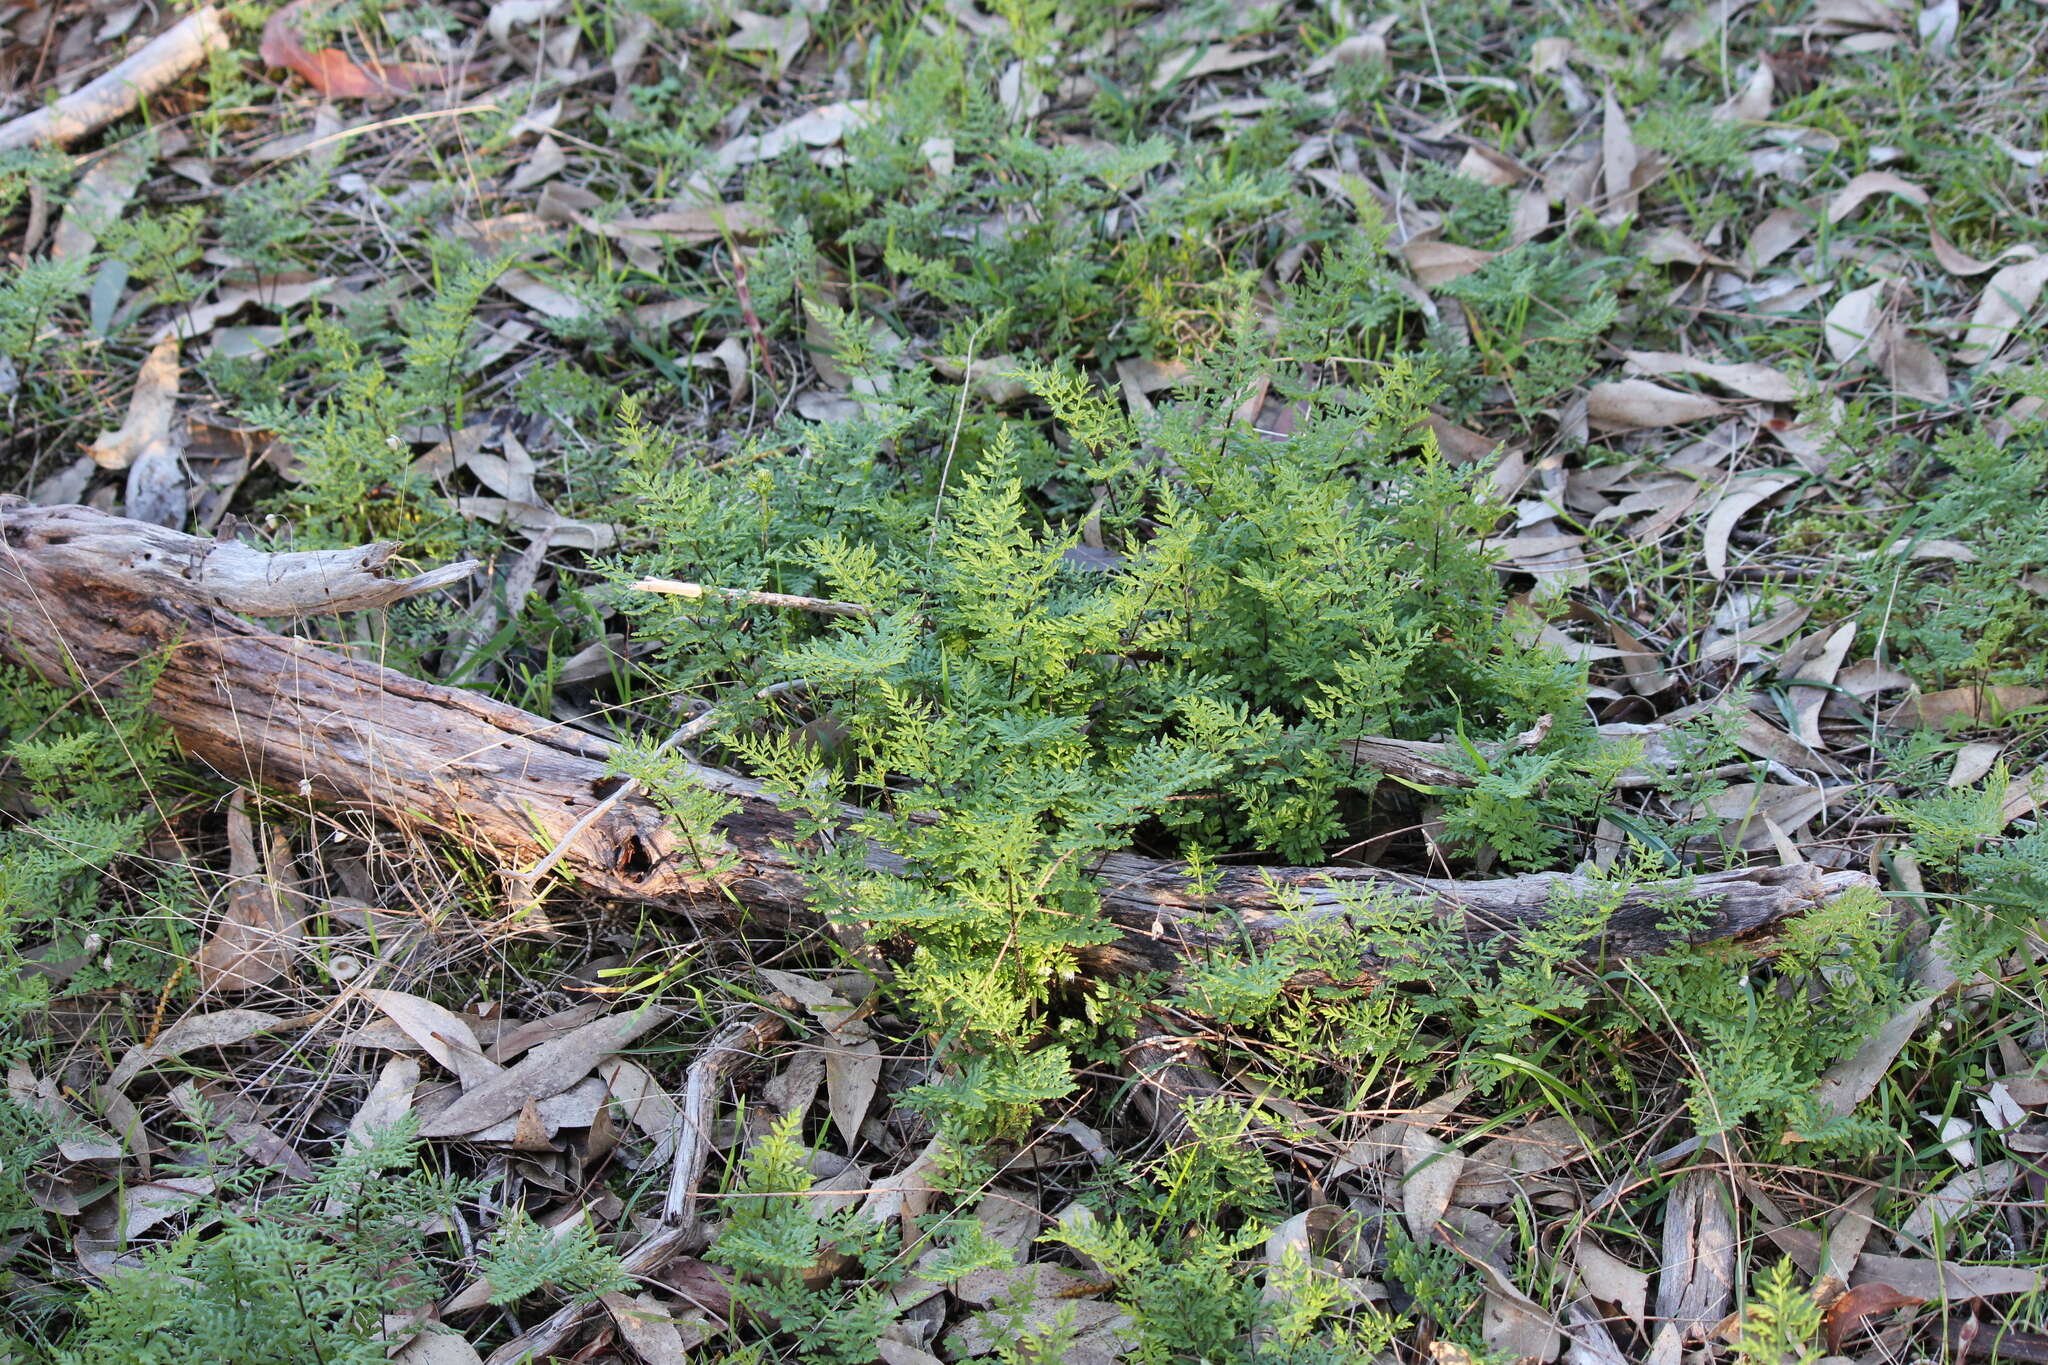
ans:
(333, 72)
(1864, 1301)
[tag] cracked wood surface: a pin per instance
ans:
(85, 596)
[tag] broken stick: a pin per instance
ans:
(157, 64)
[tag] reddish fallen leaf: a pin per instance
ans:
(1864, 1301)
(333, 72)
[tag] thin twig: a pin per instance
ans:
(823, 606)
(732, 1045)
(754, 328)
(953, 441)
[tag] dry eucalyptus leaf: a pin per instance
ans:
(1531, 216)
(1629, 404)
(1669, 246)
(792, 1089)
(506, 15)
(1866, 186)
(655, 317)
(1909, 364)
(1780, 231)
(438, 1347)
(1853, 321)
(1751, 807)
(833, 1012)
(2012, 1095)
(782, 35)
(694, 225)
(2008, 297)
(1736, 502)
(1819, 673)
(1035, 1280)
(906, 1194)
(647, 1106)
(1188, 64)
(1496, 1171)
(1751, 104)
(1547, 55)
(1973, 707)
(1958, 1134)
(77, 1139)
(547, 1071)
(1751, 380)
(1937, 25)
(146, 1205)
(1613, 1281)
(730, 355)
(1429, 1173)
(148, 424)
(157, 489)
(1435, 263)
(254, 943)
(1953, 259)
(993, 377)
(1947, 1281)
(567, 532)
(1101, 1332)
(1514, 1324)
(389, 1100)
(1590, 1341)
(197, 321)
(1618, 159)
(545, 161)
(222, 1028)
(1360, 49)
(1010, 1218)
(1492, 168)
(156, 1202)
(1958, 1197)
(1973, 763)
(650, 1329)
(245, 1126)
(542, 297)
(892, 1352)
(1749, 634)
(820, 127)
(99, 200)
(441, 1033)
(852, 1073)
(1849, 1082)
(1759, 737)
(818, 405)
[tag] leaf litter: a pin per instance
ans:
(1450, 1178)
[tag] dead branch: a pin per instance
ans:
(747, 597)
(731, 1047)
(157, 64)
(149, 560)
(81, 601)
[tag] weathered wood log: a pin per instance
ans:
(164, 59)
(85, 596)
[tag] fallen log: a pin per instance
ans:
(157, 64)
(85, 596)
